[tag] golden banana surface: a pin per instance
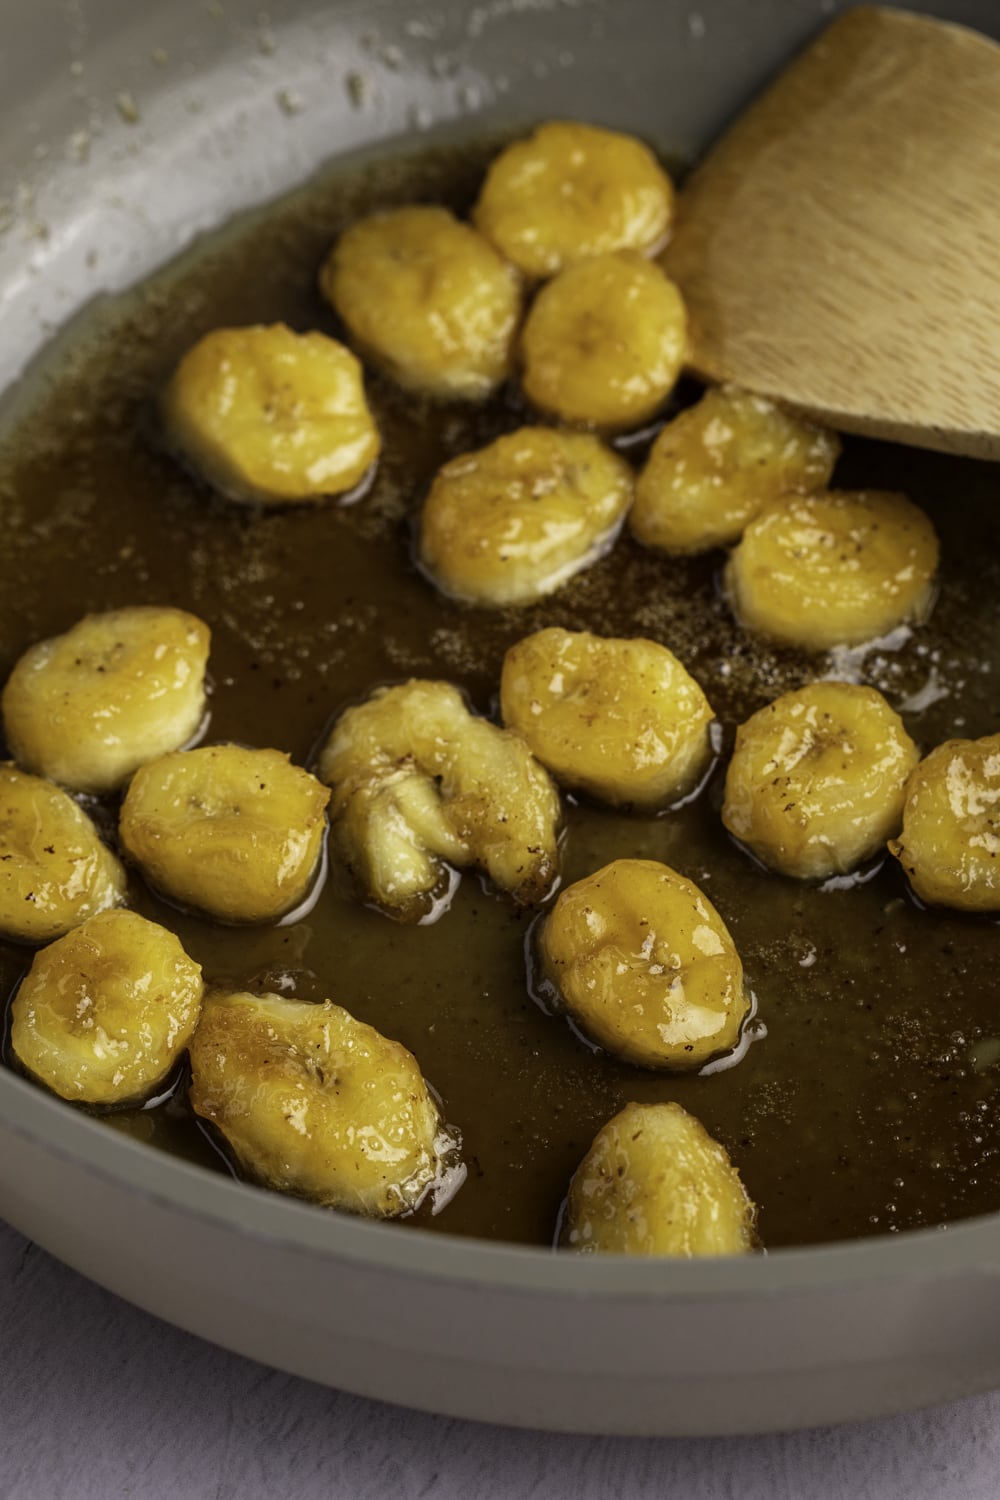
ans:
(570, 191)
(314, 1102)
(832, 569)
(87, 708)
(272, 417)
(817, 779)
(55, 870)
(715, 466)
(654, 1182)
(604, 343)
(950, 843)
(515, 520)
(427, 299)
(105, 1012)
(619, 719)
(233, 832)
(642, 961)
(418, 780)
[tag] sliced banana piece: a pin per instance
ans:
(570, 191)
(87, 708)
(817, 779)
(834, 569)
(313, 1102)
(514, 521)
(233, 832)
(418, 780)
(106, 1011)
(55, 871)
(950, 843)
(604, 342)
(619, 719)
(428, 299)
(270, 416)
(643, 962)
(654, 1182)
(714, 467)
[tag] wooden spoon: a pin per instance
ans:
(839, 249)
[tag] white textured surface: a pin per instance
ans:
(99, 1401)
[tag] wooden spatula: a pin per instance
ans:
(839, 248)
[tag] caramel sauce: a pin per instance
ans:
(872, 1102)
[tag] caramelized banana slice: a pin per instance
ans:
(313, 1102)
(87, 708)
(604, 342)
(834, 569)
(817, 779)
(619, 719)
(428, 299)
(417, 779)
(570, 191)
(106, 1011)
(713, 468)
(644, 964)
(54, 870)
(515, 520)
(233, 832)
(654, 1182)
(950, 843)
(270, 416)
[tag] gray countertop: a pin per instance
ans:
(100, 1401)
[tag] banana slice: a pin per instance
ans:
(834, 569)
(233, 832)
(417, 779)
(604, 342)
(313, 1102)
(570, 191)
(950, 843)
(428, 299)
(654, 1182)
(270, 416)
(619, 719)
(54, 870)
(644, 964)
(514, 521)
(87, 708)
(817, 779)
(106, 1011)
(713, 468)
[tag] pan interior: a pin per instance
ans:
(870, 1104)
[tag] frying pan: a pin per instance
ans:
(125, 130)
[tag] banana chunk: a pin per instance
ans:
(570, 191)
(233, 832)
(54, 870)
(106, 1011)
(834, 569)
(427, 299)
(817, 779)
(418, 780)
(87, 708)
(269, 416)
(654, 1182)
(514, 521)
(643, 962)
(950, 843)
(714, 467)
(315, 1103)
(604, 342)
(619, 719)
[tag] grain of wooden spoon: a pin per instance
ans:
(839, 248)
